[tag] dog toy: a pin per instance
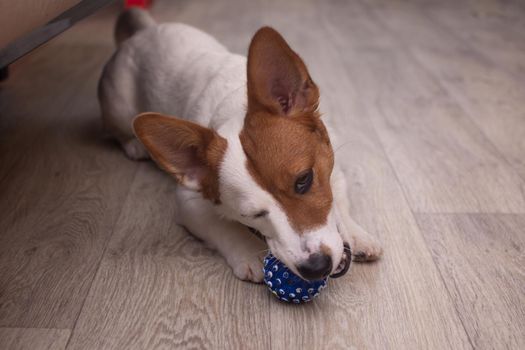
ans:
(286, 285)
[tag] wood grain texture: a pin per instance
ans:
(487, 79)
(435, 149)
(464, 60)
(359, 312)
(481, 259)
(33, 338)
(158, 287)
(171, 291)
(424, 122)
(495, 30)
(61, 187)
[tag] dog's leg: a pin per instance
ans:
(243, 251)
(364, 246)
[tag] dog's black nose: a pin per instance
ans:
(317, 266)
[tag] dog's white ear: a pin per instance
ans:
(188, 151)
(278, 80)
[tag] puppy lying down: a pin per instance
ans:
(244, 134)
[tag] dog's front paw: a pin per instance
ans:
(245, 257)
(366, 248)
(248, 268)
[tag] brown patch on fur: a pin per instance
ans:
(326, 250)
(283, 134)
(278, 81)
(278, 150)
(186, 150)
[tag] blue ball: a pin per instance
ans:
(286, 285)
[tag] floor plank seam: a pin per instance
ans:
(108, 239)
(447, 289)
(397, 85)
(402, 189)
(413, 215)
(38, 328)
(452, 95)
(466, 43)
(449, 94)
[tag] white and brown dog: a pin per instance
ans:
(247, 138)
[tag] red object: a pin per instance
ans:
(138, 3)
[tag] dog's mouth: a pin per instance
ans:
(257, 233)
(344, 265)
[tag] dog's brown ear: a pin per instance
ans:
(188, 151)
(278, 80)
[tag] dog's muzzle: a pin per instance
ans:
(343, 266)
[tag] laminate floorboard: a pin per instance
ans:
(61, 185)
(359, 318)
(428, 114)
(164, 286)
(439, 154)
(158, 287)
(480, 257)
(463, 60)
(495, 30)
(34, 338)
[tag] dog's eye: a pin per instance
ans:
(260, 214)
(304, 182)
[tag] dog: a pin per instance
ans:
(244, 139)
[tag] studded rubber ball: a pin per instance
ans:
(286, 285)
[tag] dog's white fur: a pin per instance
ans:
(178, 70)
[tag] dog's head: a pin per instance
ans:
(275, 175)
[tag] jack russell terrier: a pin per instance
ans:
(243, 138)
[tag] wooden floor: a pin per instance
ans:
(429, 102)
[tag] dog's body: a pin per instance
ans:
(189, 74)
(243, 140)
